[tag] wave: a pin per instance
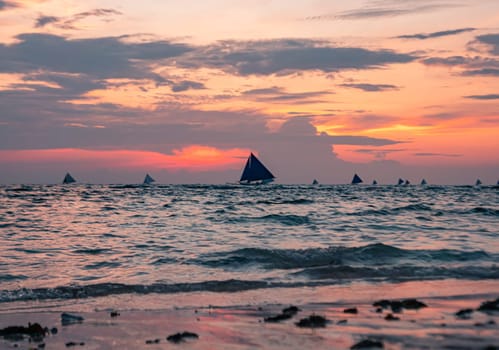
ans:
(421, 207)
(400, 273)
(373, 254)
(286, 201)
(106, 289)
(316, 276)
(287, 220)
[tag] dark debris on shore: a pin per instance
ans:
(312, 321)
(398, 305)
(286, 314)
(35, 332)
(180, 337)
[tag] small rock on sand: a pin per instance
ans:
(286, 314)
(313, 321)
(352, 310)
(67, 318)
(367, 343)
(390, 317)
(464, 314)
(179, 337)
(487, 306)
(34, 331)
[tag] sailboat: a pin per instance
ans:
(375, 182)
(68, 179)
(255, 173)
(148, 180)
(401, 181)
(356, 179)
(407, 183)
(423, 182)
(315, 182)
(478, 182)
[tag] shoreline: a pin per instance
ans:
(237, 320)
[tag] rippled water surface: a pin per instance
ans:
(91, 240)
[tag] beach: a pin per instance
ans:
(232, 267)
(242, 320)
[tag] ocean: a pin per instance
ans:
(72, 243)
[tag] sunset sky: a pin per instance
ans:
(184, 90)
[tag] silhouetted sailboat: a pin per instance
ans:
(148, 180)
(407, 183)
(478, 182)
(423, 182)
(315, 182)
(68, 179)
(356, 179)
(401, 181)
(375, 182)
(255, 172)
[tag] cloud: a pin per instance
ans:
(491, 72)
(102, 58)
(471, 65)
(371, 87)
(378, 154)
(369, 121)
(288, 56)
(427, 154)
(41, 21)
(387, 8)
(4, 5)
(484, 97)
(71, 21)
(187, 85)
(443, 116)
(278, 94)
(265, 91)
(422, 36)
(492, 40)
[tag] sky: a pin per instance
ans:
(111, 90)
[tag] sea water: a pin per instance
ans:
(84, 241)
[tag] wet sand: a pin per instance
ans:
(145, 322)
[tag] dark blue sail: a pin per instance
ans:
(423, 182)
(356, 179)
(68, 179)
(400, 182)
(255, 172)
(148, 179)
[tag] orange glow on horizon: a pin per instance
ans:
(190, 158)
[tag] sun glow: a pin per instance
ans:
(189, 158)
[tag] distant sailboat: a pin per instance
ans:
(356, 179)
(401, 181)
(68, 179)
(478, 182)
(148, 180)
(423, 182)
(375, 182)
(407, 183)
(315, 182)
(255, 172)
